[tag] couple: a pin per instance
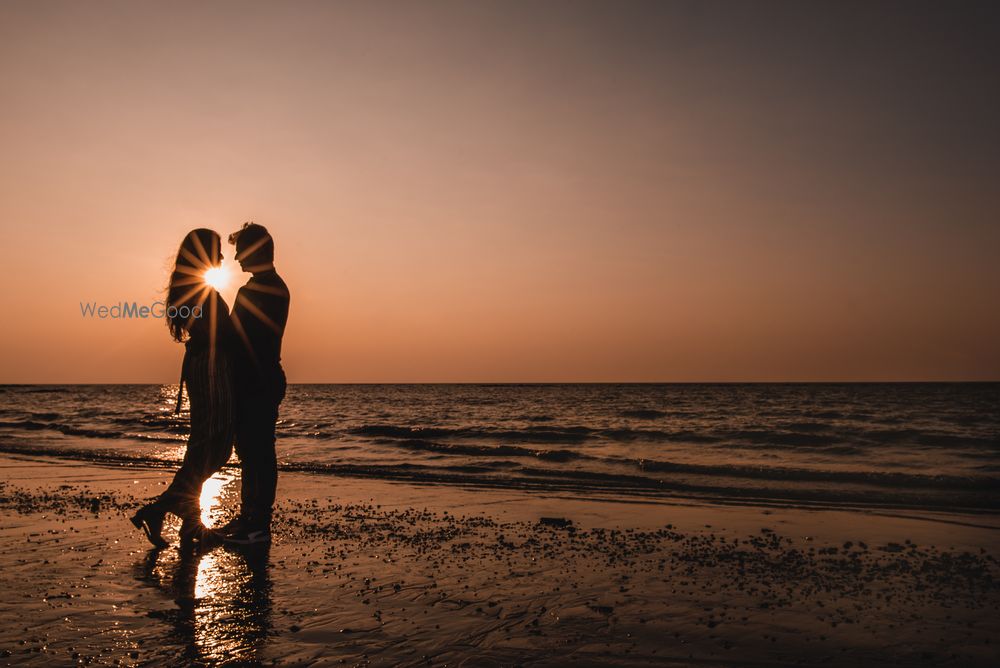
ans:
(232, 370)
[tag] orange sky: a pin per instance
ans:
(508, 192)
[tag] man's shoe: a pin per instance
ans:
(233, 526)
(249, 535)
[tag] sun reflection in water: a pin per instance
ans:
(208, 577)
(207, 581)
(223, 594)
(211, 496)
(216, 591)
(231, 606)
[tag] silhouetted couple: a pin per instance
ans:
(235, 383)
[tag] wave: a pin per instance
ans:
(805, 426)
(530, 434)
(769, 437)
(681, 436)
(173, 425)
(806, 435)
(536, 434)
(811, 436)
(826, 415)
(69, 430)
(949, 440)
(886, 479)
(879, 478)
(621, 486)
(644, 414)
(486, 450)
(656, 467)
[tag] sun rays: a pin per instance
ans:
(201, 275)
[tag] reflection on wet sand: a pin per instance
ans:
(223, 601)
(223, 595)
(211, 496)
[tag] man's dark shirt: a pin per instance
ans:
(259, 317)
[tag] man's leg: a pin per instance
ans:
(263, 461)
(255, 445)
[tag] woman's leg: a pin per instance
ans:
(210, 444)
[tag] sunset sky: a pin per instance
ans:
(507, 191)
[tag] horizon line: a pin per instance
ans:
(574, 382)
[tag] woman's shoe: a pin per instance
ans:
(191, 530)
(149, 519)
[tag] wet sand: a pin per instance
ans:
(364, 572)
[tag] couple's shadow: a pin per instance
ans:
(223, 601)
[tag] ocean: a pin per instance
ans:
(932, 446)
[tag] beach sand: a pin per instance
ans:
(365, 572)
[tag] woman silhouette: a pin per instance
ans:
(197, 316)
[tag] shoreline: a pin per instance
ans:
(979, 500)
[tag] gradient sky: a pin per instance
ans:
(511, 191)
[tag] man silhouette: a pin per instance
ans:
(259, 316)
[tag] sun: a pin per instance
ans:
(217, 277)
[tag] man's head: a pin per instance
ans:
(254, 247)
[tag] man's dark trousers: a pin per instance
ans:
(256, 417)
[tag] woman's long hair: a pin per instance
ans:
(199, 252)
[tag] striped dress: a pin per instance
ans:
(207, 371)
